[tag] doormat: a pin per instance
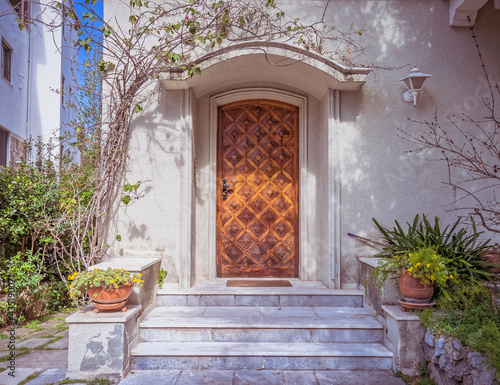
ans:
(258, 283)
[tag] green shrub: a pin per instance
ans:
(473, 320)
(32, 194)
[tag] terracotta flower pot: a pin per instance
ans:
(413, 290)
(110, 299)
(491, 256)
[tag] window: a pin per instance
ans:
(6, 60)
(22, 8)
(3, 147)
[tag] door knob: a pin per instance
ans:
(225, 189)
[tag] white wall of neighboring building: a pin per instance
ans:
(354, 148)
(14, 94)
(31, 106)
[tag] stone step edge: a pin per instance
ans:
(204, 292)
(146, 325)
(260, 349)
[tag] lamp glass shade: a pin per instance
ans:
(418, 82)
(407, 82)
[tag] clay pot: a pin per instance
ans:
(491, 256)
(110, 299)
(413, 290)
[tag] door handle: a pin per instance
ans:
(225, 189)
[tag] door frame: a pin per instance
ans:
(247, 94)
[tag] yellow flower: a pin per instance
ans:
(432, 278)
(428, 265)
(70, 278)
(418, 264)
(70, 295)
(122, 269)
(112, 282)
(140, 275)
(410, 269)
(410, 254)
(451, 276)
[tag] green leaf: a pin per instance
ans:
(126, 199)
(118, 238)
(133, 19)
(138, 108)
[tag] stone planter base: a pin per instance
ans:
(100, 344)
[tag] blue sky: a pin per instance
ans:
(80, 8)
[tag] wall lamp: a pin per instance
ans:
(414, 82)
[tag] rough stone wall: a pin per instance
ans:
(451, 363)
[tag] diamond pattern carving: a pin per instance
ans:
(257, 228)
(246, 216)
(269, 216)
(234, 229)
(246, 241)
(258, 205)
(282, 229)
(257, 224)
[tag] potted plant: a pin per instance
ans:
(108, 289)
(419, 271)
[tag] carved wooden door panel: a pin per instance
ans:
(257, 223)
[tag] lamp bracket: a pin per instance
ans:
(408, 96)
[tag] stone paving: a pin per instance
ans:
(43, 355)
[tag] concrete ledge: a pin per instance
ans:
(400, 315)
(388, 295)
(87, 315)
(100, 344)
(148, 267)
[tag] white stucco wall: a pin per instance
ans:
(377, 177)
(151, 224)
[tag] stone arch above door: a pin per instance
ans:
(267, 62)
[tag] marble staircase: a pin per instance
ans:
(305, 327)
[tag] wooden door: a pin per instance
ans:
(257, 224)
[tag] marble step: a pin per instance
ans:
(260, 324)
(277, 298)
(216, 293)
(260, 355)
